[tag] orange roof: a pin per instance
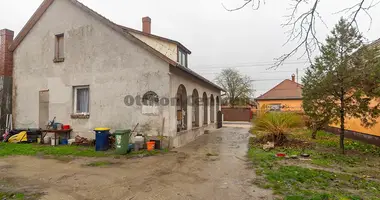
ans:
(286, 90)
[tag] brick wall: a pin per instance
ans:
(6, 56)
(6, 70)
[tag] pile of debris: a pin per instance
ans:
(81, 141)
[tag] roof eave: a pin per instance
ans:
(189, 71)
(30, 24)
(279, 98)
(157, 37)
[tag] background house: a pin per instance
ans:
(286, 96)
(71, 63)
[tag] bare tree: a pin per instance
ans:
(237, 86)
(301, 26)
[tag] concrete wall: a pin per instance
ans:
(95, 55)
(168, 49)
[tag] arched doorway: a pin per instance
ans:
(205, 109)
(212, 109)
(217, 104)
(181, 108)
(195, 105)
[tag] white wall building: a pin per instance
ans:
(73, 64)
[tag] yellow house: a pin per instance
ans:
(354, 124)
(286, 96)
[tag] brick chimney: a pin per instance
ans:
(6, 56)
(6, 70)
(147, 22)
(293, 77)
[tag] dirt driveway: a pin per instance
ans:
(212, 167)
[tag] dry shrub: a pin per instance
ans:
(275, 126)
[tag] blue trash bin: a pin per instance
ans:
(101, 137)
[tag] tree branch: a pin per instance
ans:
(302, 27)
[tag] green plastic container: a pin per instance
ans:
(122, 141)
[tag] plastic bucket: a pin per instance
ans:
(54, 141)
(150, 145)
(64, 141)
(66, 127)
(47, 140)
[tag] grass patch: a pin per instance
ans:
(100, 164)
(67, 153)
(7, 149)
(11, 196)
(18, 196)
(146, 153)
(326, 175)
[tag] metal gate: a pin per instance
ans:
(237, 114)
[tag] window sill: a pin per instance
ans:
(80, 116)
(58, 60)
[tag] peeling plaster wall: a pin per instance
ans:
(95, 55)
(166, 48)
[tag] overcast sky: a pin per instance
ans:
(247, 40)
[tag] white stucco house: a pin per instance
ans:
(74, 64)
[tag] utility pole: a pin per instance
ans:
(297, 74)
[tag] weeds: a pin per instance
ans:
(101, 164)
(326, 175)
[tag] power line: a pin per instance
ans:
(259, 80)
(254, 63)
(243, 66)
(263, 72)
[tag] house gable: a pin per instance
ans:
(47, 3)
(94, 15)
(96, 56)
(287, 89)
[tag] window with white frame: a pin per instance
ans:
(82, 100)
(182, 58)
(275, 107)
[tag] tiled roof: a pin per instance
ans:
(286, 90)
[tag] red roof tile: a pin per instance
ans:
(286, 90)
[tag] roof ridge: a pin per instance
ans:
(271, 89)
(275, 88)
(156, 36)
(47, 3)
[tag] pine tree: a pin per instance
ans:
(344, 81)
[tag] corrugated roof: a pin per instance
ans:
(286, 90)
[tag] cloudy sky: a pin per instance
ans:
(247, 40)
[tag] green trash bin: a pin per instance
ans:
(122, 141)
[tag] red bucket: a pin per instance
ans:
(150, 145)
(66, 127)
